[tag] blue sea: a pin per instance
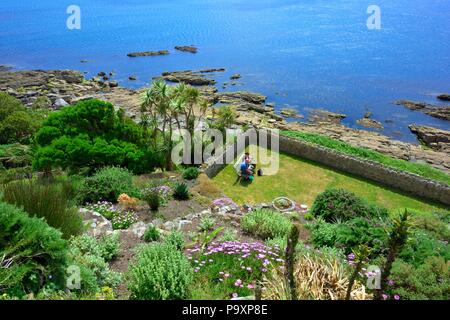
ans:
(300, 53)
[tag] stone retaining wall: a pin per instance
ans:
(397, 179)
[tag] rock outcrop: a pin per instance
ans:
(435, 138)
(324, 116)
(190, 49)
(195, 78)
(444, 97)
(429, 109)
(148, 53)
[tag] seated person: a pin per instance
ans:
(246, 170)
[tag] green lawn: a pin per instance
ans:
(302, 180)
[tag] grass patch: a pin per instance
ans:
(423, 170)
(302, 180)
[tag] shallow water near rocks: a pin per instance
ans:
(301, 54)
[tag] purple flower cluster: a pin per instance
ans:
(162, 191)
(222, 202)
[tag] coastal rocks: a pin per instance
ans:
(235, 76)
(190, 49)
(429, 109)
(212, 70)
(4, 68)
(435, 138)
(148, 53)
(239, 97)
(113, 84)
(367, 122)
(444, 97)
(195, 78)
(132, 78)
(290, 113)
(324, 116)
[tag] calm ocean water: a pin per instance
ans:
(300, 53)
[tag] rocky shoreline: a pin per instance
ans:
(62, 87)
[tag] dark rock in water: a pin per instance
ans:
(444, 97)
(132, 78)
(235, 76)
(429, 109)
(195, 78)
(101, 74)
(105, 78)
(190, 49)
(212, 70)
(84, 61)
(113, 84)
(36, 78)
(435, 138)
(324, 116)
(368, 114)
(148, 53)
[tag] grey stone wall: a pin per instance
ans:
(403, 181)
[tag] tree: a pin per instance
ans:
(397, 239)
(92, 135)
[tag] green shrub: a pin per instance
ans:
(266, 224)
(9, 105)
(428, 281)
(228, 236)
(176, 240)
(32, 254)
(92, 135)
(341, 205)
(191, 173)
(348, 235)
(422, 245)
(423, 170)
(153, 200)
(434, 223)
(91, 256)
(159, 273)
(206, 224)
(45, 200)
(6, 176)
(107, 185)
(15, 155)
(181, 191)
(151, 234)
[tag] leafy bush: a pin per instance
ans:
(15, 155)
(348, 235)
(181, 191)
(151, 234)
(191, 173)
(423, 170)
(434, 223)
(159, 273)
(32, 254)
(266, 224)
(341, 205)
(428, 281)
(228, 236)
(206, 224)
(176, 240)
(92, 135)
(48, 201)
(91, 256)
(107, 185)
(422, 245)
(17, 123)
(153, 200)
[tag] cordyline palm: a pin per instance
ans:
(156, 103)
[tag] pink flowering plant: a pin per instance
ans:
(120, 218)
(163, 191)
(232, 269)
